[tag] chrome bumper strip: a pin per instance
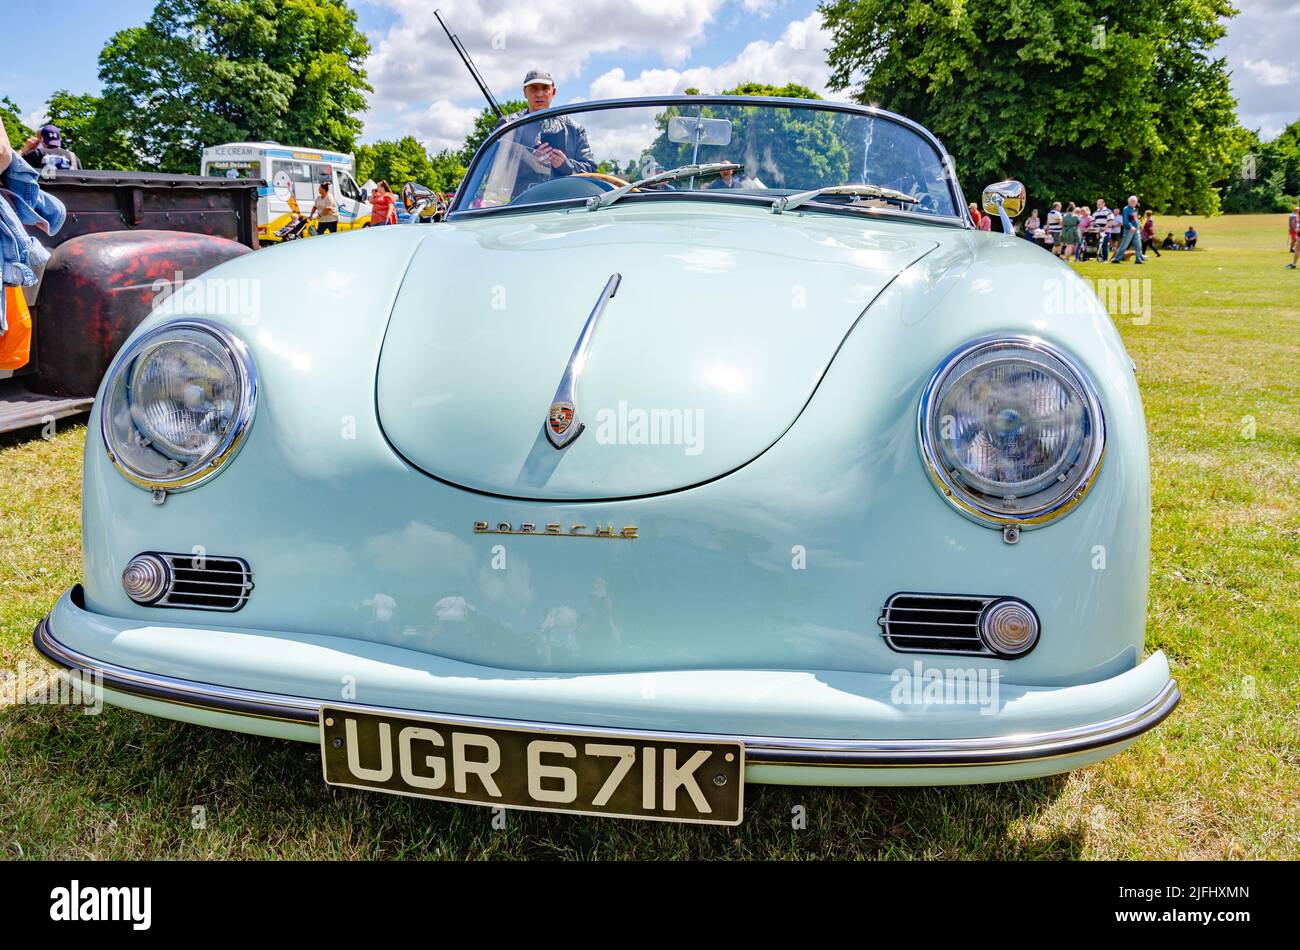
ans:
(759, 750)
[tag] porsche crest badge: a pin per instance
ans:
(561, 417)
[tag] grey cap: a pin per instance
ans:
(538, 76)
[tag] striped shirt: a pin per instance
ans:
(1101, 219)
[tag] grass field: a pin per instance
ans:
(1219, 366)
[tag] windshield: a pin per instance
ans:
(783, 149)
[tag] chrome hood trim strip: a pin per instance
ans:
(563, 421)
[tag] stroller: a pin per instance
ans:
(298, 225)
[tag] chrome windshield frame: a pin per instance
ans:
(457, 212)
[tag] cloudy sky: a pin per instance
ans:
(594, 48)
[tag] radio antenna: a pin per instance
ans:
(469, 64)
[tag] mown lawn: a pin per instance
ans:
(1219, 365)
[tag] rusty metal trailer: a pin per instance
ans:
(127, 235)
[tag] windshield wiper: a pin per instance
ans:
(684, 171)
(790, 202)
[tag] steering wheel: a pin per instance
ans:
(601, 176)
(565, 187)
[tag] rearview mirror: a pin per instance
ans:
(682, 129)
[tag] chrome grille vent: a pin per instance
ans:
(934, 623)
(188, 581)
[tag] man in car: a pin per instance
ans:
(726, 180)
(558, 143)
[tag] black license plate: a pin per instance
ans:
(585, 773)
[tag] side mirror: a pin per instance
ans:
(413, 193)
(1005, 199)
(1008, 196)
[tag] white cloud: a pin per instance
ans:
(1261, 52)
(422, 88)
(798, 56)
(414, 61)
(442, 125)
(1270, 74)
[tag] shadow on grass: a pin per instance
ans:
(123, 785)
(40, 431)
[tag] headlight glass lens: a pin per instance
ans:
(176, 402)
(1012, 430)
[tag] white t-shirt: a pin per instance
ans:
(327, 210)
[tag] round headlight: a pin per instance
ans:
(1012, 431)
(177, 404)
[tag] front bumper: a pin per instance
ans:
(798, 727)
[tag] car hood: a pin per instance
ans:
(722, 327)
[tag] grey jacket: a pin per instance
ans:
(561, 132)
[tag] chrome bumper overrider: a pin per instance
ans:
(759, 750)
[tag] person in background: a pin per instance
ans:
(1295, 256)
(1054, 224)
(1149, 233)
(46, 148)
(1032, 224)
(1132, 227)
(975, 215)
(22, 205)
(1189, 237)
(1069, 232)
(1169, 244)
(1046, 240)
(382, 210)
(1101, 221)
(325, 211)
(1085, 225)
(726, 179)
(986, 221)
(1293, 224)
(1116, 223)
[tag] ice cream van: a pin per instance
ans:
(285, 171)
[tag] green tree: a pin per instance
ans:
(1259, 183)
(448, 170)
(483, 126)
(203, 72)
(89, 126)
(1077, 98)
(791, 90)
(1288, 147)
(778, 146)
(405, 160)
(17, 130)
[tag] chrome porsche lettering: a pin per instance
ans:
(556, 530)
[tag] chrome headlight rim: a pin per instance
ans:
(215, 460)
(960, 496)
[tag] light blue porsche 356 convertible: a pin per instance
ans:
(719, 448)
